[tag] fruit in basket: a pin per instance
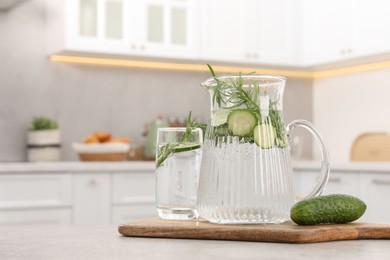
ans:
(99, 146)
(91, 139)
(119, 140)
(97, 137)
(104, 137)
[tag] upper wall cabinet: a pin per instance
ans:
(329, 30)
(251, 31)
(341, 30)
(373, 27)
(294, 33)
(148, 28)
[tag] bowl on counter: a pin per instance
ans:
(102, 151)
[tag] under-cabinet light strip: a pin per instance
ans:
(351, 69)
(175, 66)
(217, 68)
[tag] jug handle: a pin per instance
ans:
(325, 165)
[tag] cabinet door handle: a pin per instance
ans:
(334, 179)
(385, 182)
(133, 46)
(255, 56)
(142, 47)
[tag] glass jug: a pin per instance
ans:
(246, 172)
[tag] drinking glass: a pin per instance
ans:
(178, 157)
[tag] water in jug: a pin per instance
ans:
(246, 172)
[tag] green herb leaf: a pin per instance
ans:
(167, 150)
(43, 123)
(211, 70)
(232, 95)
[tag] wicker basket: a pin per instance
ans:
(102, 152)
(108, 157)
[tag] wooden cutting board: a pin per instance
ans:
(283, 233)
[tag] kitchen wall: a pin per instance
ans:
(348, 105)
(89, 98)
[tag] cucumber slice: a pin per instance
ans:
(282, 142)
(219, 117)
(241, 122)
(264, 135)
(185, 147)
(222, 130)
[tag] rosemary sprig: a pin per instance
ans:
(231, 95)
(164, 151)
(217, 95)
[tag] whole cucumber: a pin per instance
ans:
(330, 209)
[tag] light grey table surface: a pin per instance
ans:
(104, 242)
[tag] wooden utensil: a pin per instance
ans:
(371, 147)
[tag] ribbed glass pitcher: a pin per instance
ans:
(246, 172)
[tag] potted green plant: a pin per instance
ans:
(44, 140)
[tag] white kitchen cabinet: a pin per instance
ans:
(375, 189)
(222, 27)
(167, 28)
(91, 205)
(76, 193)
(347, 183)
(35, 198)
(336, 31)
(42, 190)
(250, 31)
(83, 26)
(133, 196)
(373, 27)
(147, 28)
(36, 217)
(123, 214)
(329, 30)
(279, 37)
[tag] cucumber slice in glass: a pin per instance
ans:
(222, 130)
(219, 117)
(264, 135)
(241, 122)
(185, 147)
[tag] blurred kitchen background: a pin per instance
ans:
(117, 66)
(298, 36)
(87, 98)
(295, 37)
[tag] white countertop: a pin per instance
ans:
(75, 166)
(355, 167)
(104, 242)
(141, 166)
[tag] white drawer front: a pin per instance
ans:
(35, 190)
(375, 191)
(123, 214)
(130, 188)
(91, 199)
(36, 217)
